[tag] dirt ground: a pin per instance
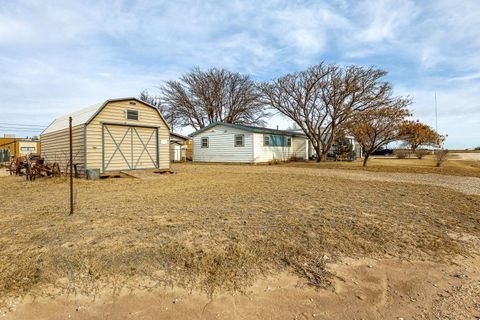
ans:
(241, 242)
(3, 172)
(363, 289)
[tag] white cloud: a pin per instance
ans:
(56, 56)
(473, 76)
(385, 19)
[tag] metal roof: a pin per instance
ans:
(178, 135)
(250, 129)
(86, 115)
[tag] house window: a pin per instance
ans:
(266, 140)
(204, 142)
(132, 115)
(275, 140)
(239, 140)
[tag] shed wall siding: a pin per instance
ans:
(221, 146)
(114, 112)
(55, 147)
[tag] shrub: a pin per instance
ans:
(420, 153)
(401, 153)
(477, 148)
(273, 162)
(440, 157)
(293, 158)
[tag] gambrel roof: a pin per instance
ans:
(86, 115)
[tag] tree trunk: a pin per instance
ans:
(317, 150)
(365, 160)
(327, 148)
(323, 158)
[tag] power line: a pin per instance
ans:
(21, 125)
(21, 129)
(12, 126)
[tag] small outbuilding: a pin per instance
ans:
(228, 142)
(112, 136)
(180, 147)
(17, 147)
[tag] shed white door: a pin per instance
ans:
(178, 155)
(129, 148)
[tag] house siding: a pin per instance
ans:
(266, 153)
(300, 147)
(114, 112)
(221, 147)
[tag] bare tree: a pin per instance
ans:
(322, 98)
(200, 98)
(149, 98)
(156, 101)
(376, 127)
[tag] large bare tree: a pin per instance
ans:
(200, 98)
(376, 127)
(166, 112)
(322, 98)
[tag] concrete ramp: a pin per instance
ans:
(145, 174)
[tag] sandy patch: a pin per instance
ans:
(364, 289)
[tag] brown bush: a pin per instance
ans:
(420, 153)
(293, 158)
(273, 162)
(441, 156)
(401, 153)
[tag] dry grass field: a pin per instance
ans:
(220, 229)
(466, 168)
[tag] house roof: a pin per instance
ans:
(86, 115)
(178, 135)
(250, 129)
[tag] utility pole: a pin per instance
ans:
(436, 117)
(71, 165)
(436, 113)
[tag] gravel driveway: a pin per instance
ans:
(473, 156)
(467, 185)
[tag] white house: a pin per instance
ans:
(227, 142)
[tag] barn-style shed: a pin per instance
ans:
(115, 135)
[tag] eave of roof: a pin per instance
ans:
(179, 135)
(248, 128)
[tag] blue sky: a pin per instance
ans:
(59, 56)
